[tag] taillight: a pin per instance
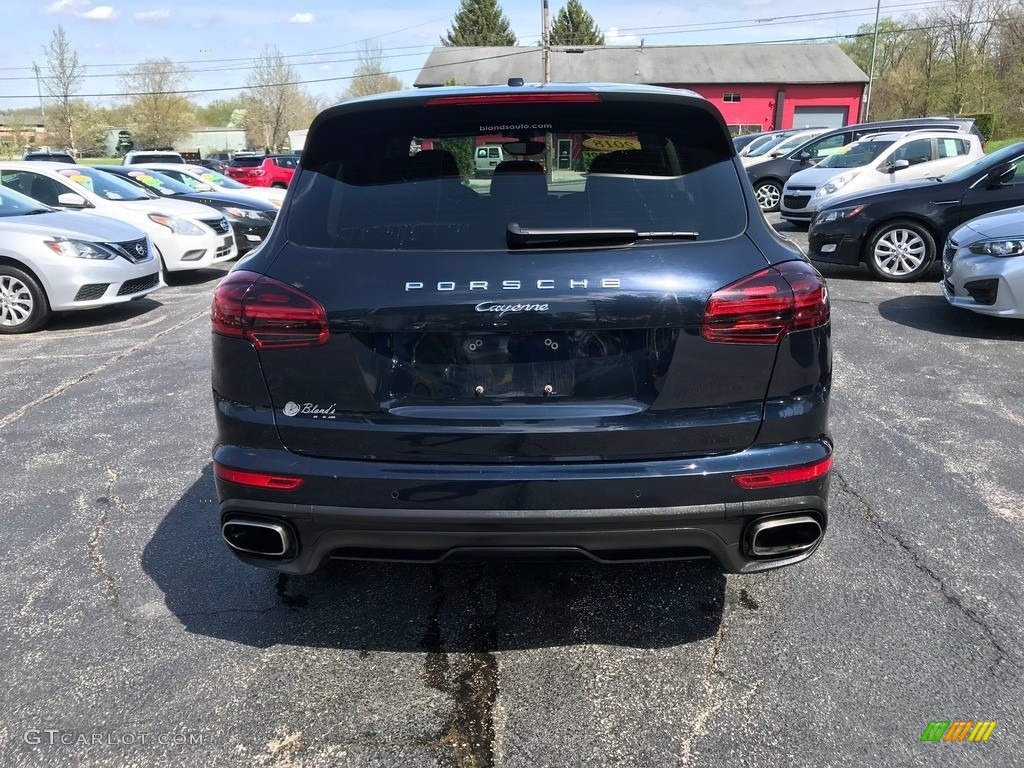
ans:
(790, 475)
(530, 97)
(763, 307)
(267, 312)
(257, 479)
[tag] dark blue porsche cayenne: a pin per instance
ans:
(601, 351)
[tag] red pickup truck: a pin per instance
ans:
(263, 170)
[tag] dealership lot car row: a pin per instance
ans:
(177, 224)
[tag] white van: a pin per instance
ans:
(486, 158)
(875, 161)
(186, 235)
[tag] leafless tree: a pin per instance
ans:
(274, 101)
(158, 115)
(62, 81)
(370, 75)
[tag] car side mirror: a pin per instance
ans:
(72, 200)
(804, 156)
(1002, 175)
(896, 165)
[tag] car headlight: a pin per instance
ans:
(79, 249)
(998, 247)
(245, 213)
(834, 185)
(837, 214)
(177, 225)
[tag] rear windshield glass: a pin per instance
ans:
(247, 162)
(412, 179)
(855, 155)
(155, 158)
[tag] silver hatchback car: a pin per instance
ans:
(983, 264)
(54, 260)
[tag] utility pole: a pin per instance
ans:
(39, 90)
(547, 45)
(871, 74)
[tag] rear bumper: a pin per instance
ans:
(610, 512)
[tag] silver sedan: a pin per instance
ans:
(53, 260)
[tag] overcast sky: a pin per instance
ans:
(218, 39)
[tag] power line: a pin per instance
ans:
(315, 52)
(519, 52)
(746, 23)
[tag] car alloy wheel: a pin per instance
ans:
(900, 252)
(23, 305)
(768, 195)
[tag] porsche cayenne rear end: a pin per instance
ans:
(605, 353)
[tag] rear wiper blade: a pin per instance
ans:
(539, 237)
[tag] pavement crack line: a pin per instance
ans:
(96, 556)
(60, 389)
(713, 675)
(951, 597)
(470, 678)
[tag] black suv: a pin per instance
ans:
(617, 360)
(50, 157)
(768, 177)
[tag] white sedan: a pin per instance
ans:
(185, 235)
(208, 180)
(51, 261)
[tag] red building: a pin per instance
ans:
(756, 87)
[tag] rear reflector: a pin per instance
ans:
(763, 307)
(514, 98)
(267, 312)
(257, 479)
(788, 476)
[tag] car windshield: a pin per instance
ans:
(856, 155)
(766, 146)
(410, 182)
(1004, 155)
(158, 182)
(16, 204)
(105, 185)
(210, 176)
(792, 142)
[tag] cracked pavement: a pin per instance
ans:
(128, 623)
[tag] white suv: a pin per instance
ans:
(139, 156)
(186, 235)
(876, 161)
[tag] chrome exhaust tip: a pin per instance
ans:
(257, 537)
(782, 536)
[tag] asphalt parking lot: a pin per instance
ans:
(133, 638)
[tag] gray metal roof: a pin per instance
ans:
(26, 120)
(655, 65)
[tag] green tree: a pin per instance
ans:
(217, 114)
(479, 22)
(574, 26)
(158, 115)
(14, 140)
(370, 75)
